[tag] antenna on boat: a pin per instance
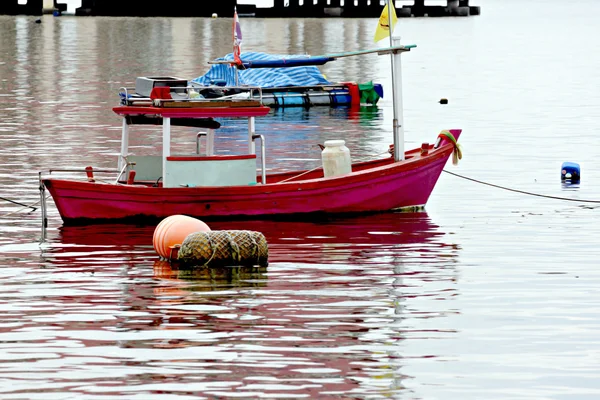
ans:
(398, 123)
(237, 43)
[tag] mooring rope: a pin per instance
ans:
(24, 208)
(17, 203)
(521, 191)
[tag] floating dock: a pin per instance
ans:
(224, 8)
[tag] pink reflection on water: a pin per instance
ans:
(330, 317)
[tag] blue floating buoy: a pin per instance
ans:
(570, 171)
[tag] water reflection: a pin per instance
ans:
(210, 279)
(340, 311)
(355, 240)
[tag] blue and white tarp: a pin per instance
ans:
(224, 74)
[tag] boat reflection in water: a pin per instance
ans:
(342, 308)
(356, 240)
(369, 239)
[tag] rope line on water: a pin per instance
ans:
(21, 209)
(17, 203)
(521, 191)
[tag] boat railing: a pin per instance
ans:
(263, 153)
(331, 86)
(90, 173)
(247, 88)
(69, 173)
(208, 146)
(130, 97)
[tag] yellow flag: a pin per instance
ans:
(383, 27)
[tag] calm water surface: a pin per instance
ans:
(488, 294)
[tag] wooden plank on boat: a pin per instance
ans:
(205, 104)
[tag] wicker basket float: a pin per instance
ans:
(191, 242)
(224, 248)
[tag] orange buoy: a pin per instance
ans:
(173, 230)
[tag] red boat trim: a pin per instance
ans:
(212, 158)
(194, 112)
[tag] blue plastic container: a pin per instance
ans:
(289, 100)
(378, 89)
(340, 97)
(570, 171)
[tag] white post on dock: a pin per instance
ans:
(166, 147)
(124, 144)
(398, 124)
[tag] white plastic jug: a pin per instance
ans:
(336, 158)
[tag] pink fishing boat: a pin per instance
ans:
(209, 186)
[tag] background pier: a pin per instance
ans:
(358, 9)
(224, 8)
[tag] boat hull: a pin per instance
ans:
(375, 186)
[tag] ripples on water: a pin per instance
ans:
(490, 294)
(102, 315)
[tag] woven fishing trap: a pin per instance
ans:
(224, 248)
